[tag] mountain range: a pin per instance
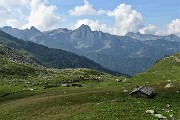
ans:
(130, 54)
(47, 57)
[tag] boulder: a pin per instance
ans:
(160, 116)
(150, 111)
(169, 85)
(171, 115)
(168, 105)
(125, 90)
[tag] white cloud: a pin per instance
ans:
(10, 12)
(27, 13)
(86, 9)
(174, 27)
(12, 3)
(5, 15)
(14, 23)
(21, 15)
(42, 16)
(127, 20)
(150, 29)
(39, 13)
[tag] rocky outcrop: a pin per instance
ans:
(15, 56)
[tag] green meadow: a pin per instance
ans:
(29, 92)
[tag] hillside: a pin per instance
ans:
(21, 73)
(48, 57)
(165, 70)
(110, 51)
(13, 65)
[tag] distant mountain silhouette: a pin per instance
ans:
(145, 37)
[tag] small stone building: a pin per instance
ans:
(142, 92)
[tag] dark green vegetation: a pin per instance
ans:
(36, 92)
(139, 64)
(53, 58)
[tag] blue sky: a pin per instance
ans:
(114, 16)
(157, 12)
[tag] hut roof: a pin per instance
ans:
(144, 89)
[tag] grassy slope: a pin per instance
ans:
(103, 100)
(166, 70)
(17, 78)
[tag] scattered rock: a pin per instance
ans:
(31, 89)
(168, 105)
(160, 116)
(125, 90)
(171, 115)
(169, 85)
(169, 80)
(167, 110)
(150, 111)
(124, 80)
(118, 80)
(14, 56)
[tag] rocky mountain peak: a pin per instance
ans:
(84, 28)
(172, 35)
(6, 28)
(33, 29)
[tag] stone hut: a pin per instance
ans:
(142, 92)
